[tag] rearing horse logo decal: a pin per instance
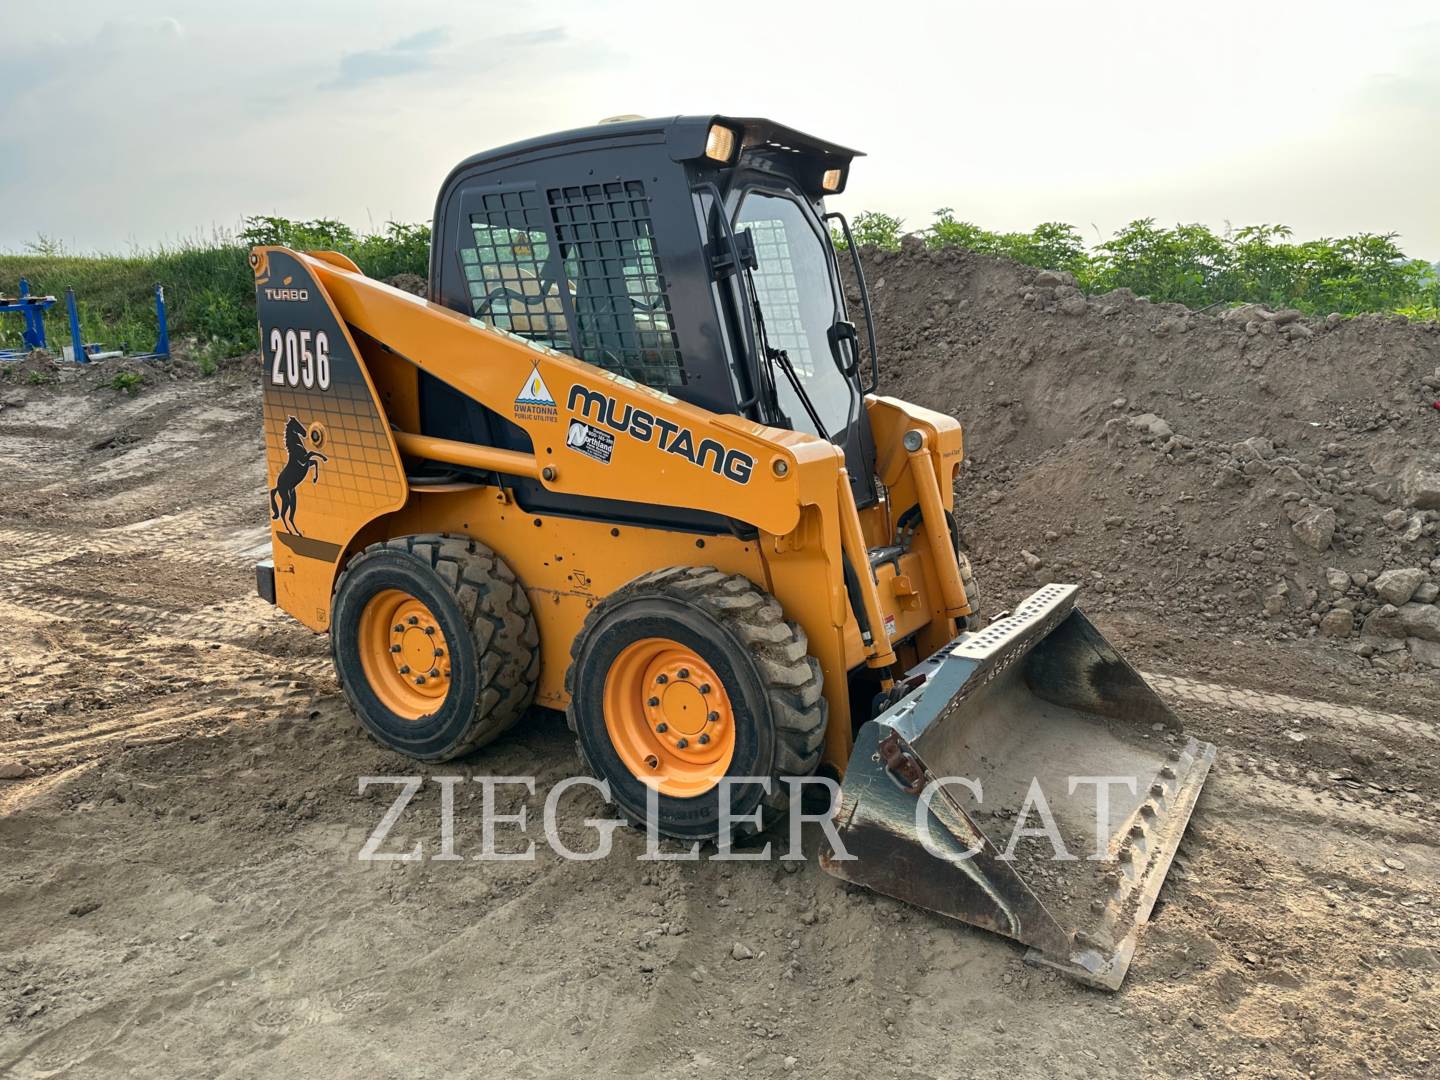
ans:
(301, 459)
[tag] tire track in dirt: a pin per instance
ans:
(1353, 717)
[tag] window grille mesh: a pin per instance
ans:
(622, 310)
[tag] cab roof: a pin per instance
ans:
(683, 135)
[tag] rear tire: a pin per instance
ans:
(762, 716)
(441, 600)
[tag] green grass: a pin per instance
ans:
(209, 290)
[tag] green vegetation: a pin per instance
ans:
(211, 300)
(209, 294)
(1191, 264)
(127, 382)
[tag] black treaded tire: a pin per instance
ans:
(764, 663)
(486, 619)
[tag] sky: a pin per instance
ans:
(158, 121)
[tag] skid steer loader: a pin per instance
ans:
(627, 460)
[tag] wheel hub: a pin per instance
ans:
(668, 717)
(404, 653)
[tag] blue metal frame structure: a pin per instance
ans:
(83, 352)
(32, 309)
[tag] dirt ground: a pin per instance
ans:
(180, 893)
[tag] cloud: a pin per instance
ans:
(532, 37)
(422, 52)
(123, 33)
(424, 41)
(408, 56)
(78, 55)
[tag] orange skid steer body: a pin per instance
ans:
(482, 522)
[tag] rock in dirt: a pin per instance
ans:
(1384, 622)
(1337, 623)
(1048, 279)
(1427, 593)
(1424, 652)
(13, 770)
(1398, 586)
(1153, 424)
(1420, 484)
(1316, 529)
(1395, 519)
(1338, 580)
(1254, 449)
(740, 951)
(1421, 621)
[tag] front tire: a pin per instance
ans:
(686, 677)
(434, 644)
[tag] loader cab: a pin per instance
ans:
(691, 254)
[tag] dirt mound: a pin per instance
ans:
(1256, 470)
(411, 283)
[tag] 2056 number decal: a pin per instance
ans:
(301, 358)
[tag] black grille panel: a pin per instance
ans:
(622, 311)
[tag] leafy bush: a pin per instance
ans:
(871, 228)
(1052, 245)
(1191, 264)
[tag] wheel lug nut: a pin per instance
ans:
(704, 688)
(683, 743)
(434, 673)
(712, 716)
(662, 678)
(399, 628)
(404, 669)
(419, 680)
(394, 648)
(413, 620)
(653, 702)
(704, 739)
(684, 673)
(662, 728)
(429, 629)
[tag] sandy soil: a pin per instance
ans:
(180, 893)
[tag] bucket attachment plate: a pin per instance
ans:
(1029, 782)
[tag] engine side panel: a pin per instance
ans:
(331, 460)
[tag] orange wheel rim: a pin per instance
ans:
(669, 718)
(404, 654)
